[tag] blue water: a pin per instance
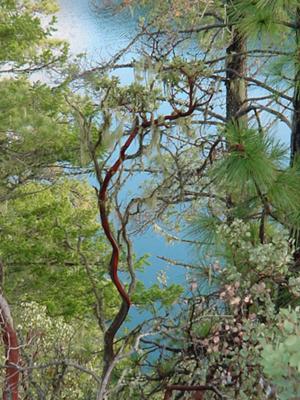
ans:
(98, 33)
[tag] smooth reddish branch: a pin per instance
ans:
(114, 261)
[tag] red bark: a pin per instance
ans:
(119, 318)
(114, 262)
(199, 391)
(12, 357)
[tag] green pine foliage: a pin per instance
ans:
(36, 137)
(255, 172)
(24, 40)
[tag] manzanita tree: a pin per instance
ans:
(247, 159)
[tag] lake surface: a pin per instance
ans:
(97, 32)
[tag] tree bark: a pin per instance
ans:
(197, 390)
(12, 356)
(109, 335)
(236, 67)
(236, 87)
(295, 134)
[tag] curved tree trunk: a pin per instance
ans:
(110, 357)
(11, 382)
(109, 335)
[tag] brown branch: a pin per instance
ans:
(110, 357)
(12, 355)
(102, 197)
(109, 354)
(188, 388)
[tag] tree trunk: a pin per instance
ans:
(295, 135)
(109, 356)
(11, 383)
(236, 88)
